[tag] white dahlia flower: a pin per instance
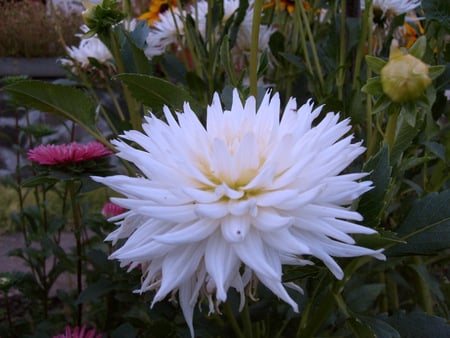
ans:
(249, 190)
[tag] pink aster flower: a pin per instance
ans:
(79, 333)
(110, 210)
(53, 154)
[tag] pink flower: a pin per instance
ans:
(67, 153)
(79, 333)
(110, 209)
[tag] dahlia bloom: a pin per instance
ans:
(79, 333)
(53, 154)
(247, 191)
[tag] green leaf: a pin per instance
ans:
(154, 92)
(359, 328)
(373, 87)
(375, 64)
(94, 291)
(436, 71)
(405, 135)
(65, 101)
(418, 48)
(418, 324)
(373, 202)
(361, 299)
(134, 58)
(439, 11)
(380, 327)
(426, 228)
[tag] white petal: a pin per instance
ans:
(189, 233)
(235, 228)
(221, 263)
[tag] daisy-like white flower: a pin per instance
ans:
(167, 31)
(248, 190)
(396, 7)
(89, 48)
(241, 51)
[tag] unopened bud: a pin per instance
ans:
(404, 77)
(88, 14)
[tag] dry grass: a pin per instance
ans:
(27, 29)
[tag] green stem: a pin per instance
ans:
(132, 105)
(298, 22)
(423, 290)
(361, 51)
(392, 294)
(369, 129)
(316, 59)
(253, 66)
(77, 234)
(342, 51)
(247, 322)
(232, 320)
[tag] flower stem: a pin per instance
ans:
(315, 56)
(77, 233)
(342, 52)
(133, 108)
(232, 320)
(360, 52)
(247, 322)
(253, 66)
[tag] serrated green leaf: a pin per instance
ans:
(426, 228)
(155, 93)
(373, 202)
(375, 63)
(65, 101)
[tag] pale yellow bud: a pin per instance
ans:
(404, 77)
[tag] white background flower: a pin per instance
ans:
(248, 190)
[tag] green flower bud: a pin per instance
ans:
(404, 77)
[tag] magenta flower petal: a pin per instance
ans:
(53, 154)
